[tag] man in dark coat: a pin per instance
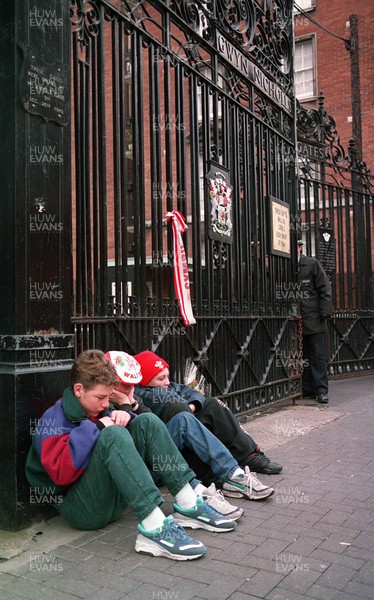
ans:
(315, 309)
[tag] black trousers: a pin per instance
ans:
(315, 364)
(221, 421)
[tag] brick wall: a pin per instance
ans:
(334, 69)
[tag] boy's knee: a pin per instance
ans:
(113, 434)
(148, 420)
(211, 402)
(183, 418)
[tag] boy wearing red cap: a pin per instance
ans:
(201, 448)
(160, 395)
(191, 438)
(94, 460)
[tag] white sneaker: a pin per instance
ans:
(216, 499)
(247, 486)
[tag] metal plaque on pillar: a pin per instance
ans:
(44, 87)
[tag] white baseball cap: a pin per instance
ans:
(128, 369)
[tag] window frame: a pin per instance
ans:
(311, 37)
(311, 7)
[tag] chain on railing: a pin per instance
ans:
(300, 332)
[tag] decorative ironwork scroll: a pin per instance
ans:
(261, 30)
(320, 127)
(85, 18)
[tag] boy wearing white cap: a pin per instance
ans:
(189, 434)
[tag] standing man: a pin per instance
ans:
(315, 309)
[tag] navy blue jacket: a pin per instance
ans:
(165, 401)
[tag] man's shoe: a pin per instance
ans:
(247, 486)
(216, 499)
(308, 395)
(170, 541)
(322, 398)
(259, 463)
(202, 516)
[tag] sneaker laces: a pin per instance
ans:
(220, 498)
(210, 510)
(252, 479)
(263, 457)
(216, 494)
(247, 480)
(172, 531)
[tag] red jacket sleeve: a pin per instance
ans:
(65, 457)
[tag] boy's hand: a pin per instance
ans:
(192, 407)
(119, 398)
(107, 421)
(120, 417)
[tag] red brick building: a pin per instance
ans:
(324, 64)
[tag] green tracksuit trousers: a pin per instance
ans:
(117, 475)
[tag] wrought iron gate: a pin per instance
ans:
(165, 94)
(336, 210)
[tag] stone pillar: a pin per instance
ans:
(35, 264)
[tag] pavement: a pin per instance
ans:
(314, 538)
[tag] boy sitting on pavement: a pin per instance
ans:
(161, 396)
(97, 460)
(188, 433)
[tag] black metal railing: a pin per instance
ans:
(164, 98)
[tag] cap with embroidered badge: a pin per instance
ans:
(127, 367)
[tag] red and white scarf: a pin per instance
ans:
(181, 278)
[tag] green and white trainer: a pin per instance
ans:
(170, 541)
(202, 516)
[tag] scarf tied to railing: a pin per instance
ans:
(181, 277)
